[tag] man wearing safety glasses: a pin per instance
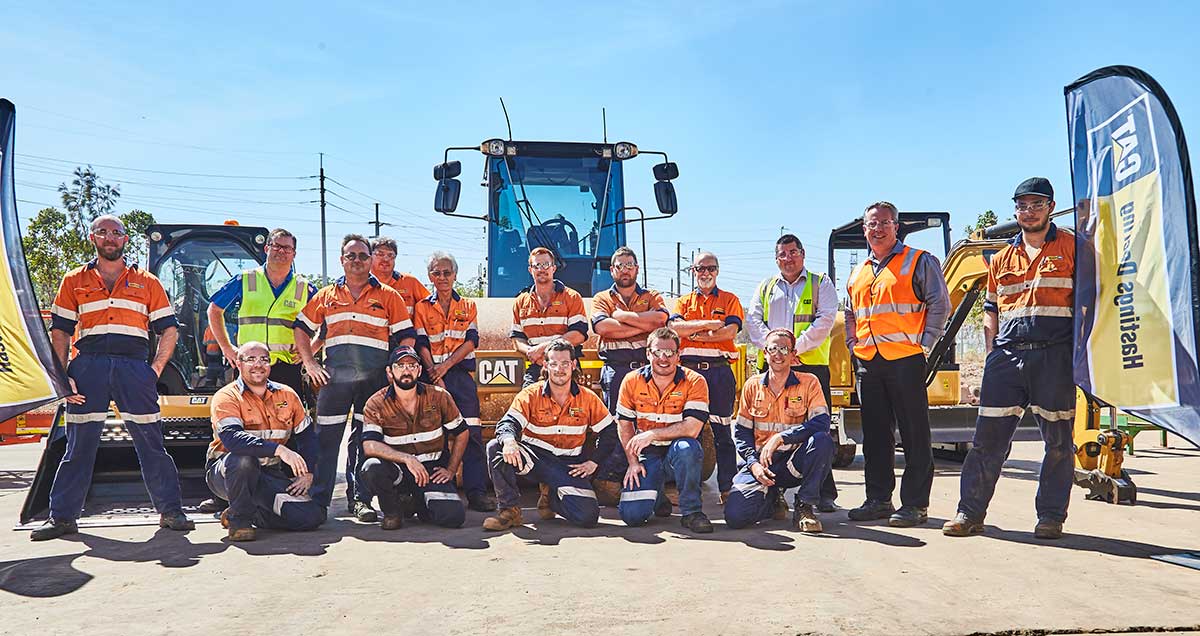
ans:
(362, 320)
(546, 311)
(383, 267)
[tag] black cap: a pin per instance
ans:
(1035, 185)
(403, 351)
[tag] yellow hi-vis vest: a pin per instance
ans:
(806, 312)
(268, 318)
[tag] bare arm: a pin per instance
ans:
(373, 448)
(645, 320)
(166, 346)
(991, 326)
(727, 332)
(689, 427)
(613, 328)
(458, 447)
(691, 327)
(60, 342)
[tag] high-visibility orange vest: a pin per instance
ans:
(888, 316)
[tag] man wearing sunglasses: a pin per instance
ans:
(783, 433)
(1027, 324)
(661, 409)
(707, 320)
(805, 302)
(414, 439)
(542, 436)
(546, 311)
(383, 267)
(267, 300)
(447, 335)
(249, 465)
(362, 320)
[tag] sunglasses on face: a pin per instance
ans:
(362, 256)
(541, 266)
(107, 233)
(624, 267)
(705, 269)
(407, 366)
(662, 354)
(441, 273)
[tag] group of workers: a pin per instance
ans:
(397, 363)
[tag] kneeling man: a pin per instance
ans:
(265, 482)
(542, 436)
(405, 430)
(782, 434)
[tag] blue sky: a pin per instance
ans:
(778, 114)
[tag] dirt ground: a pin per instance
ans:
(550, 578)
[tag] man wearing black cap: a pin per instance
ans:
(405, 427)
(1027, 324)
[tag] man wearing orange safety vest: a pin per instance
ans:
(1029, 313)
(898, 305)
(383, 263)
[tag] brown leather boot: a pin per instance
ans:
(961, 526)
(779, 510)
(392, 522)
(543, 507)
(242, 534)
(505, 519)
(806, 519)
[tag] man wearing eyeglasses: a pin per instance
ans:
(114, 305)
(897, 310)
(546, 311)
(783, 432)
(707, 320)
(805, 302)
(661, 409)
(1027, 324)
(447, 335)
(542, 436)
(383, 266)
(362, 320)
(249, 465)
(414, 438)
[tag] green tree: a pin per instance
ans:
(474, 287)
(987, 218)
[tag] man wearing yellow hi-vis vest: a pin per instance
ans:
(805, 303)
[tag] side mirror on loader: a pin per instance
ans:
(664, 190)
(445, 200)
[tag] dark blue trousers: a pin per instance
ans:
(462, 388)
(571, 497)
(348, 390)
(258, 495)
(806, 466)
(438, 504)
(721, 389)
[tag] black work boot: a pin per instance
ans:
(908, 517)
(697, 522)
(175, 521)
(871, 509)
(662, 507)
(1047, 529)
(53, 529)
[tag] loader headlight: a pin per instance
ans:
(493, 147)
(624, 150)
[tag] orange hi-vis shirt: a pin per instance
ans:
(766, 414)
(117, 322)
(421, 434)
(718, 305)
(275, 418)
(409, 287)
(358, 333)
(632, 349)
(889, 319)
(536, 325)
(642, 403)
(1035, 298)
(443, 332)
(540, 421)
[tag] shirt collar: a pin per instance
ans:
(271, 386)
(637, 290)
(1051, 234)
(546, 388)
(391, 389)
(791, 380)
(715, 292)
(559, 286)
(92, 263)
(648, 373)
(371, 280)
(896, 249)
(800, 279)
(433, 297)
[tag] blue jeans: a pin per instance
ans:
(258, 495)
(682, 461)
(571, 497)
(749, 501)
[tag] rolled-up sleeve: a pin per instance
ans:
(930, 287)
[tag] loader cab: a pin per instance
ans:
(567, 197)
(193, 262)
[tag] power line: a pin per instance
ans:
(182, 174)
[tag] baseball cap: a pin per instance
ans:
(1035, 185)
(401, 352)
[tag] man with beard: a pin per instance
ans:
(383, 264)
(1027, 324)
(405, 430)
(707, 320)
(544, 312)
(542, 436)
(898, 305)
(363, 320)
(249, 465)
(268, 300)
(447, 335)
(661, 409)
(114, 305)
(783, 434)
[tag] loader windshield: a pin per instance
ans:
(568, 204)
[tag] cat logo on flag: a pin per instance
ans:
(499, 371)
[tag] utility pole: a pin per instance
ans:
(678, 271)
(692, 271)
(377, 223)
(324, 247)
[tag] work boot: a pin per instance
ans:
(242, 534)
(543, 507)
(961, 526)
(212, 506)
(908, 517)
(176, 521)
(779, 508)
(697, 522)
(392, 522)
(806, 519)
(364, 512)
(505, 519)
(1046, 529)
(608, 492)
(481, 502)
(53, 529)
(827, 505)
(225, 518)
(662, 507)
(870, 510)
